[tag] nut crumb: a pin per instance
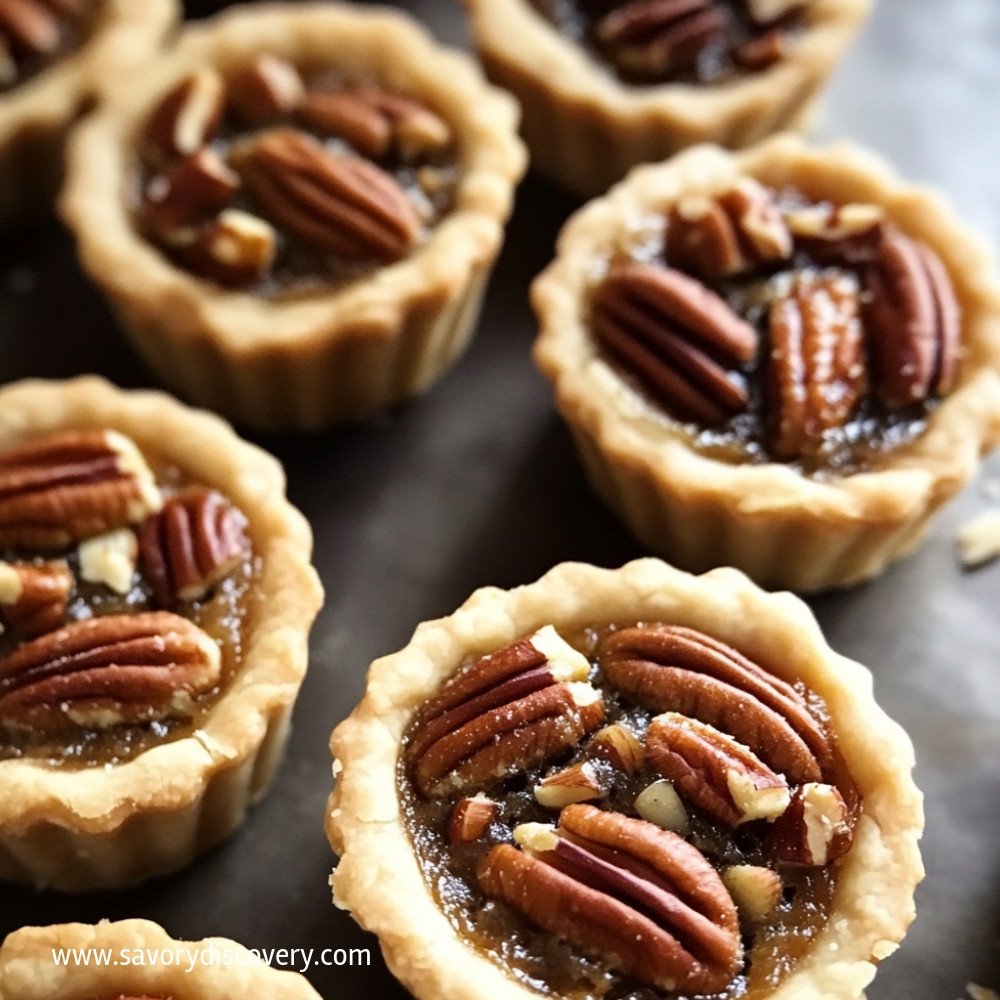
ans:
(978, 540)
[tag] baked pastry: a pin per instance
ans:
(156, 597)
(783, 360)
(212, 969)
(52, 56)
(295, 210)
(607, 84)
(632, 782)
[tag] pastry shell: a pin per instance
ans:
(780, 527)
(586, 129)
(379, 879)
(108, 827)
(302, 361)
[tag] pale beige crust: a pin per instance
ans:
(28, 972)
(586, 129)
(108, 827)
(311, 359)
(378, 877)
(784, 529)
(35, 117)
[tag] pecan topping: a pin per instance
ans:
(266, 89)
(192, 543)
(33, 597)
(640, 897)
(234, 249)
(815, 368)
(29, 27)
(71, 485)
(616, 745)
(577, 783)
(838, 234)
(186, 119)
(677, 337)
(672, 668)
(815, 829)
(471, 818)
(756, 891)
(106, 671)
(191, 191)
(338, 203)
(516, 707)
(913, 321)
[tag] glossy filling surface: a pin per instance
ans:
(35, 35)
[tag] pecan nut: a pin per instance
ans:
(192, 190)
(235, 248)
(34, 596)
(471, 819)
(186, 118)
(620, 748)
(265, 89)
(639, 897)
(71, 485)
(577, 783)
(680, 340)
(29, 28)
(815, 829)
(838, 234)
(106, 671)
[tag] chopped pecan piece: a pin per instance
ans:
(186, 118)
(677, 337)
(33, 596)
(106, 671)
(576, 783)
(192, 190)
(756, 891)
(471, 818)
(639, 897)
(234, 249)
(265, 89)
(660, 804)
(618, 747)
(838, 234)
(512, 709)
(71, 485)
(815, 829)
(29, 27)
(110, 559)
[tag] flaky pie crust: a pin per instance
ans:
(378, 877)
(112, 826)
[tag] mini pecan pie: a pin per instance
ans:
(295, 210)
(625, 783)
(212, 969)
(607, 84)
(155, 600)
(54, 54)
(783, 360)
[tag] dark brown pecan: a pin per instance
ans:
(191, 191)
(640, 897)
(338, 203)
(512, 709)
(815, 829)
(106, 671)
(33, 596)
(814, 372)
(678, 338)
(671, 668)
(71, 485)
(265, 89)
(656, 38)
(186, 118)
(196, 539)
(837, 235)
(29, 28)
(913, 322)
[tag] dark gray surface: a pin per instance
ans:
(477, 484)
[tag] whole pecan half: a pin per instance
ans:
(913, 321)
(335, 202)
(671, 668)
(105, 671)
(678, 338)
(33, 596)
(640, 897)
(814, 372)
(510, 710)
(195, 540)
(71, 485)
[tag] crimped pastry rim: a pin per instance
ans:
(589, 393)
(395, 50)
(379, 880)
(173, 775)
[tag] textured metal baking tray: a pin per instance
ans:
(477, 484)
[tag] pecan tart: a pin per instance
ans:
(211, 969)
(607, 84)
(53, 53)
(295, 210)
(626, 783)
(783, 360)
(155, 601)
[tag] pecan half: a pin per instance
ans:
(265, 89)
(29, 27)
(815, 369)
(678, 338)
(338, 203)
(106, 671)
(71, 485)
(196, 539)
(512, 709)
(186, 118)
(640, 897)
(33, 596)
(913, 321)
(673, 668)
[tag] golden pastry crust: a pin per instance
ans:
(27, 970)
(35, 117)
(586, 129)
(380, 881)
(784, 529)
(310, 359)
(110, 827)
